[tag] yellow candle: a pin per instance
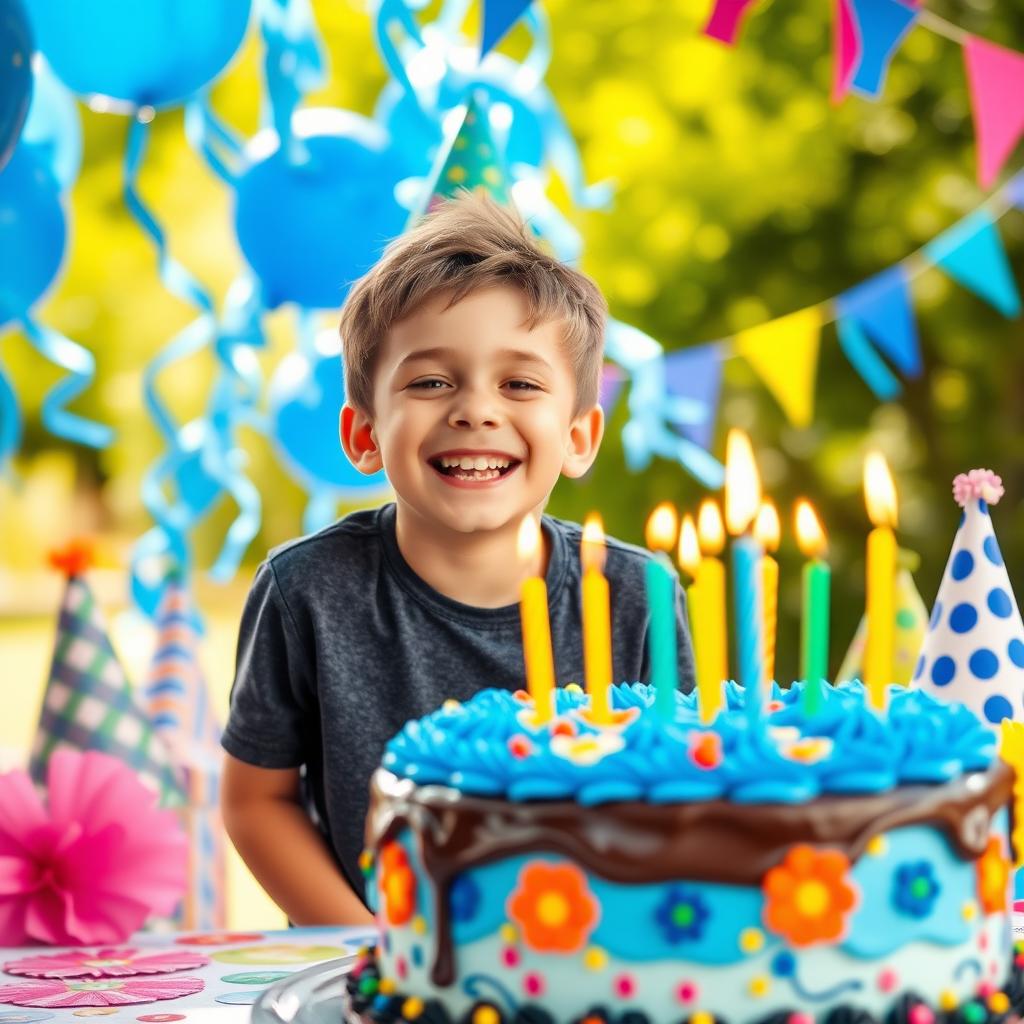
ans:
(709, 689)
(767, 530)
(879, 645)
(688, 557)
(714, 645)
(533, 608)
(597, 622)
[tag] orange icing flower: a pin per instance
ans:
(553, 907)
(808, 896)
(993, 868)
(398, 884)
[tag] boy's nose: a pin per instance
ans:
(472, 413)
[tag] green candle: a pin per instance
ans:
(661, 602)
(817, 587)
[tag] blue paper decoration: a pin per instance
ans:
(867, 362)
(499, 17)
(695, 375)
(972, 253)
(15, 75)
(881, 305)
(881, 25)
(142, 54)
(53, 128)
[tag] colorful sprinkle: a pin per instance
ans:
(419, 925)
(751, 940)
(486, 1015)
(451, 706)
(687, 992)
(401, 968)
(948, 1000)
(702, 1017)
(999, 1002)
(573, 688)
(387, 986)
(412, 1008)
(706, 749)
(368, 987)
(523, 696)
(595, 959)
(799, 1018)
(510, 956)
(509, 933)
(969, 910)
(366, 861)
(920, 1014)
(759, 986)
(974, 1013)
(888, 979)
(877, 846)
(519, 746)
(533, 984)
(624, 986)
(564, 727)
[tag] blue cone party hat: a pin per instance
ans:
(974, 649)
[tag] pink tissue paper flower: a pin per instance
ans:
(978, 483)
(93, 866)
(106, 963)
(110, 992)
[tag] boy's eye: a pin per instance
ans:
(522, 385)
(430, 384)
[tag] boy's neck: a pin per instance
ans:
(480, 569)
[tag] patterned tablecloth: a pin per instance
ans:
(197, 978)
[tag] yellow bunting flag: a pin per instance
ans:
(784, 354)
(1011, 750)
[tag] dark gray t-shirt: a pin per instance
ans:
(341, 643)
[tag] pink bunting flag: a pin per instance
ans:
(726, 18)
(996, 78)
(847, 49)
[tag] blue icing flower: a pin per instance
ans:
(915, 888)
(681, 915)
(464, 898)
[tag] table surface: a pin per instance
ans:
(224, 973)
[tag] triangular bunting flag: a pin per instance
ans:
(89, 704)
(470, 162)
(726, 18)
(499, 17)
(784, 354)
(996, 78)
(882, 306)
(974, 649)
(696, 374)
(612, 380)
(1015, 190)
(881, 26)
(846, 49)
(972, 253)
(866, 361)
(178, 703)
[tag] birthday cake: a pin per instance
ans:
(797, 865)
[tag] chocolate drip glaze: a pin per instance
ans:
(634, 843)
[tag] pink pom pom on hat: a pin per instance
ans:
(978, 483)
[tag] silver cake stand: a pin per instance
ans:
(312, 996)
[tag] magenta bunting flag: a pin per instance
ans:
(726, 19)
(846, 48)
(996, 78)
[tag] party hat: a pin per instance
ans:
(89, 703)
(974, 649)
(911, 626)
(177, 701)
(470, 161)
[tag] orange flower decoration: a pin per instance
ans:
(553, 907)
(993, 868)
(808, 896)
(398, 884)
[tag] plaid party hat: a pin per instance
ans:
(177, 701)
(974, 649)
(469, 162)
(89, 703)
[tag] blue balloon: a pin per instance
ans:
(154, 54)
(32, 232)
(314, 216)
(15, 75)
(53, 127)
(305, 396)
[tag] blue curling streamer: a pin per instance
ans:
(218, 144)
(81, 368)
(10, 421)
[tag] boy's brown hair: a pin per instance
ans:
(470, 242)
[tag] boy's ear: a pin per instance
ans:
(358, 440)
(585, 433)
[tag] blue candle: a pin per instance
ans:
(662, 527)
(749, 615)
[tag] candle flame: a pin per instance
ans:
(662, 527)
(710, 528)
(879, 490)
(742, 483)
(810, 536)
(767, 528)
(592, 551)
(528, 542)
(689, 547)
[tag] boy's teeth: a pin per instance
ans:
(474, 462)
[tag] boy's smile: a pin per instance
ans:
(474, 416)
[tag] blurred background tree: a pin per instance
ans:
(742, 194)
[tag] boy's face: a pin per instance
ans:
(472, 413)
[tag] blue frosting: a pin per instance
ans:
(846, 747)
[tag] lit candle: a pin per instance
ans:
(662, 526)
(767, 530)
(533, 608)
(742, 498)
(879, 646)
(817, 586)
(690, 561)
(597, 621)
(714, 632)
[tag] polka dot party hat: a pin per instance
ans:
(974, 649)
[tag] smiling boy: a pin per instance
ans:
(472, 363)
